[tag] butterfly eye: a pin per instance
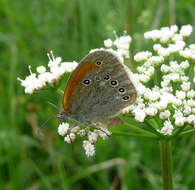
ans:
(107, 77)
(86, 82)
(98, 62)
(114, 83)
(121, 90)
(126, 98)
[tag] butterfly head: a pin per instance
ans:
(61, 115)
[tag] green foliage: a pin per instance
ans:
(34, 157)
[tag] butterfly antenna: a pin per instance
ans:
(47, 120)
(102, 131)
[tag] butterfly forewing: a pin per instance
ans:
(98, 89)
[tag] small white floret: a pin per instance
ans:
(89, 148)
(108, 43)
(63, 129)
(167, 128)
(186, 30)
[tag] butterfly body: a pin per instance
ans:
(98, 89)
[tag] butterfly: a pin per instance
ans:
(98, 90)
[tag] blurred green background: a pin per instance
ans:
(28, 30)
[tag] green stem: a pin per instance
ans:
(59, 91)
(166, 163)
(187, 132)
(117, 133)
(139, 130)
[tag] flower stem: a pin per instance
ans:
(117, 133)
(166, 164)
(139, 130)
(187, 132)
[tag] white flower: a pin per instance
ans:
(164, 34)
(126, 109)
(81, 133)
(41, 69)
(177, 37)
(154, 35)
(141, 89)
(177, 113)
(186, 30)
(153, 95)
(165, 68)
(150, 71)
(174, 66)
(63, 129)
(155, 60)
(151, 111)
(191, 119)
(177, 101)
(123, 42)
(144, 78)
(123, 52)
(68, 66)
(184, 78)
(185, 86)
(29, 80)
(187, 110)
(167, 128)
(174, 28)
(89, 148)
(192, 46)
(163, 52)
(191, 102)
(184, 64)
(180, 94)
(142, 56)
(187, 53)
(56, 71)
(92, 136)
(161, 105)
(31, 83)
(179, 121)
(174, 77)
(29, 90)
(139, 114)
(52, 60)
(141, 69)
(70, 138)
(46, 77)
(108, 43)
(191, 94)
(156, 47)
(165, 115)
(173, 48)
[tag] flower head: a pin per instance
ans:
(57, 68)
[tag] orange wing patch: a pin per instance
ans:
(75, 78)
(134, 94)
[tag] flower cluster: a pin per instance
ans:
(173, 100)
(36, 81)
(120, 45)
(90, 134)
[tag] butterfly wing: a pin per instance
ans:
(98, 89)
